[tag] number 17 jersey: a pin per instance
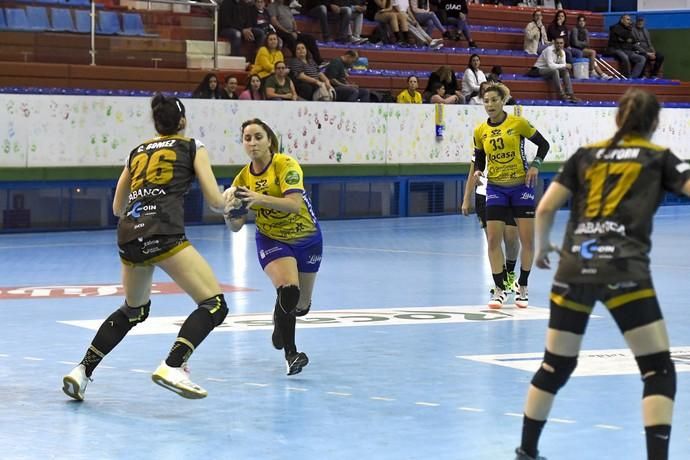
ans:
(615, 197)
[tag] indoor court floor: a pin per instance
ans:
(406, 362)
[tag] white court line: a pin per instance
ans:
(427, 404)
(55, 245)
(211, 379)
(403, 251)
(512, 414)
(140, 371)
(381, 398)
(71, 363)
(471, 409)
(31, 358)
(296, 389)
(2, 355)
(337, 393)
(252, 384)
(561, 420)
(608, 427)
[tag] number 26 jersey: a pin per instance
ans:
(161, 170)
(615, 197)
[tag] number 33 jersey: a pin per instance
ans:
(161, 170)
(615, 196)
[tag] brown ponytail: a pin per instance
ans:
(638, 113)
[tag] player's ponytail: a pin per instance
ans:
(167, 113)
(638, 113)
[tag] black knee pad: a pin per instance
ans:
(658, 374)
(551, 382)
(136, 315)
(217, 307)
(288, 298)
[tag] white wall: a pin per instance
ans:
(44, 131)
(662, 5)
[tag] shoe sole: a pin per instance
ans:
(71, 388)
(298, 364)
(158, 380)
(521, 304)
(495, 306)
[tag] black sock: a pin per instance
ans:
(398, 36)
(510, 265)
(406, 36)
(286, 325)
(499, 278)
(111, 332)
(193, 331)
(531, 430)
(524, 275)
(658, 437)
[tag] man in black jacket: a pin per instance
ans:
(236, 20)
(624, 47)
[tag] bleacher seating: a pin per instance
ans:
(38, 18)
(62, 21)
(126, 38)
(16, 19)
(3, 23)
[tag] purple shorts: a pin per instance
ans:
(307, 252)
(518, 198)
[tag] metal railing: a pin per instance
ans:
(212, 4)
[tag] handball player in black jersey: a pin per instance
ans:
(616, 187)
(149, 201)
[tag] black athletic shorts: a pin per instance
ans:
(480, 209)
(150, 250)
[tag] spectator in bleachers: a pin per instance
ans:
(230, 88)
(623, 46)
(410, 95)
(552, 66)
(267, 56)
(446, 77)
(428, 19)
(556, 29)
(286, 27)
(471, 79)
(253, 89)
(262, 20)
(208, 88)
(391, 16)
(236, 23)
(420, 36)
(438, 95)
(535, 34)
(495, 74)
(495, 77)
(346, 13)
(579, 39)
(317, 9)
(306, 76)
(642, 36)
(453, 13)
(345, 89)
(278, 86)
(359, 9)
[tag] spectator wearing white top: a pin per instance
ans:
(551, 65)
(471, 80)
(535, 34)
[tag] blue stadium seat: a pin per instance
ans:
(109, 23)
(62, 20)
(3, 24)
(82, 19)
(38, 18)
(75, 2)
(133, 25)
(16, 19)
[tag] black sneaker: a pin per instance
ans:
(276, 338)
(522, 455)
(295, 363)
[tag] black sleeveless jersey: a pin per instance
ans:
(161, 170)
(615, 197)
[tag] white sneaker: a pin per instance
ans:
(295, 4)
(498, 298)
(176, 379)
(74, 383)
(521, 297)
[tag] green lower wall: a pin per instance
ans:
(673, 43)
(224, 172)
